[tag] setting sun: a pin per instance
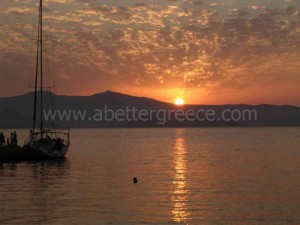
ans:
(179, 101)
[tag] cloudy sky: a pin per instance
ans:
(206, 51)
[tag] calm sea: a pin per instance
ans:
(206, 176)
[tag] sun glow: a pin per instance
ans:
(179, 101)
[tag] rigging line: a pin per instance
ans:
(31, 63)
(53, 67)
(47, 69)
(50, 72)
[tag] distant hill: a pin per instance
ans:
(16, 112)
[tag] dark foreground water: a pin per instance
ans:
(186, 176)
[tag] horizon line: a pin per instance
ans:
(116, 92)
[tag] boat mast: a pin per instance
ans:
(36, 74)
(41, 56)
(36, 79)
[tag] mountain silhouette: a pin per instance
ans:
(16, 112)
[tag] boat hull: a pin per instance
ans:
(16, 154)
(28, 153)
(47, 151)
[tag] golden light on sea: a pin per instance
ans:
(180, 196)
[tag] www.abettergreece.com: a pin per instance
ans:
(160, 116)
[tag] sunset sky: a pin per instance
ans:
(204, 51)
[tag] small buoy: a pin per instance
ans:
(135, 180)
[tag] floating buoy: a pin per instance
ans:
(135, 180)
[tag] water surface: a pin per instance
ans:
(195, 176)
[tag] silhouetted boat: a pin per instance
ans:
(42, 143)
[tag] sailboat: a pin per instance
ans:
(48, 143)
(42, 142)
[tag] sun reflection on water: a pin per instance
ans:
(180, 194)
